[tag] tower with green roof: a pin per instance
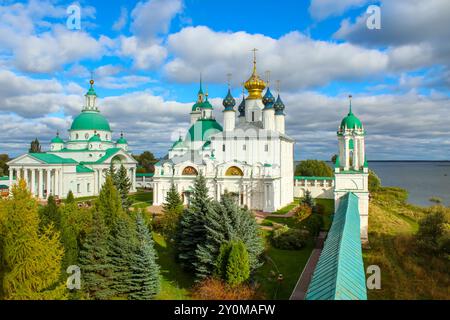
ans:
(351, 168)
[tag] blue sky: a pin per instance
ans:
(147, 56)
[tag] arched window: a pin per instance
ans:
(234, 171)
(190, 171)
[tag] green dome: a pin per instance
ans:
(57, 139)
(95, 138)
(196, 106)
(122, 140)
(351, 122)
(206, 105)
(90, 120)
(202, 129)
(178, 144)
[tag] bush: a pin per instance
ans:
(302, 212)
(308, 199)
(314, 224)
(289, 239)
(319, 208)
(431, 229)
(374, 181)
(214, 289)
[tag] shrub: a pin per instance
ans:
(289, 239)
(319, 208)
(215, 289)
(267, 223)
(374, 181)
(302, 212)
(308, 199)
(314, 224)
(431, 229)
(313, 168)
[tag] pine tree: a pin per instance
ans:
(238, 268)
(31, 258)
(227, 222)
(69, 234)
(50, 214)
(123, 185)
(308, 199)
(191, 231)
(108, 203)
(70, 197)
(121, 245)
(94, 261)
(172, 211)
(145, 278)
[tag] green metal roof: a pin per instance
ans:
(51, 158)
(339, 274)
(145, 174)
(312, 178)
(57, 139)
(95, 138)
(178, 144)
(83, 169)
(202, 129)
(4, 178)
(90, 120)
(3, 186)
(108, 153)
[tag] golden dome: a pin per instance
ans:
(255, 85)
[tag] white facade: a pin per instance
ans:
(248, 157)
(78, 164)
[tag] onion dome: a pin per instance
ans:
(229, 102)
(57, 139)
(206, 104)
(255, 85)
(177, 144)
(351, 122)
(121, 140)
(279, 107)
(95, 138)
(241, 107)
(202, 129)
(268, 99)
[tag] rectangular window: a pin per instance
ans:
(78, 188)
(88, 187)
(244, 147)
(253, 116)
(223, 148)
(266, 147)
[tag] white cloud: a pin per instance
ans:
(297, 60)
(120, 23)
(144, 56)
(322, 9)
(152, 18)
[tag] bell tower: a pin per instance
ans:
(351, 168)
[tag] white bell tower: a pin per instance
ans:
(351, 169)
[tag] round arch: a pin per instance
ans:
(234, 171)
(190, 171)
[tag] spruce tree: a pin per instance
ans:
(123, 185)
(191, 231)
(50, 213)
(308, 199)
(69, 234)
(108, 203)
(70, 197)
(31, 259)
(145, 277)
(227, 222)
(121, 245)
(172, 211)
(94, 262)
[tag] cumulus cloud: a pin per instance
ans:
(322, 9)
(295, 58)
(120, 23)
(414, 31)
(145, 56)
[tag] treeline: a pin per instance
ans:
(111, 244)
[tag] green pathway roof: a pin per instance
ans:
(51, 158)
(339, 274)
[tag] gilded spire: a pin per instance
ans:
(255, 85)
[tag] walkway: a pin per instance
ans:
(303, 282)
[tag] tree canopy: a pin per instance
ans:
(316, 168)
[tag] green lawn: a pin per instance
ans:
(289, 263)
(142, 199)
(175, 282)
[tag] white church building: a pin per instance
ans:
(78, 164)
(250, 155)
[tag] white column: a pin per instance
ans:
(134, 179)
(56, 180)
(25, 175)
(95, 182)
(48, 183)
(11, 173)
(33, 182)
(40, 183)
(18, 175)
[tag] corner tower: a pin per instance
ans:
(351, 169)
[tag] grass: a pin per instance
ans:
(175, 282)
(142, 199)
(406, 272)
(289, 263)
(287, 208)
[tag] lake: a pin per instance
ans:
(422, 179)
